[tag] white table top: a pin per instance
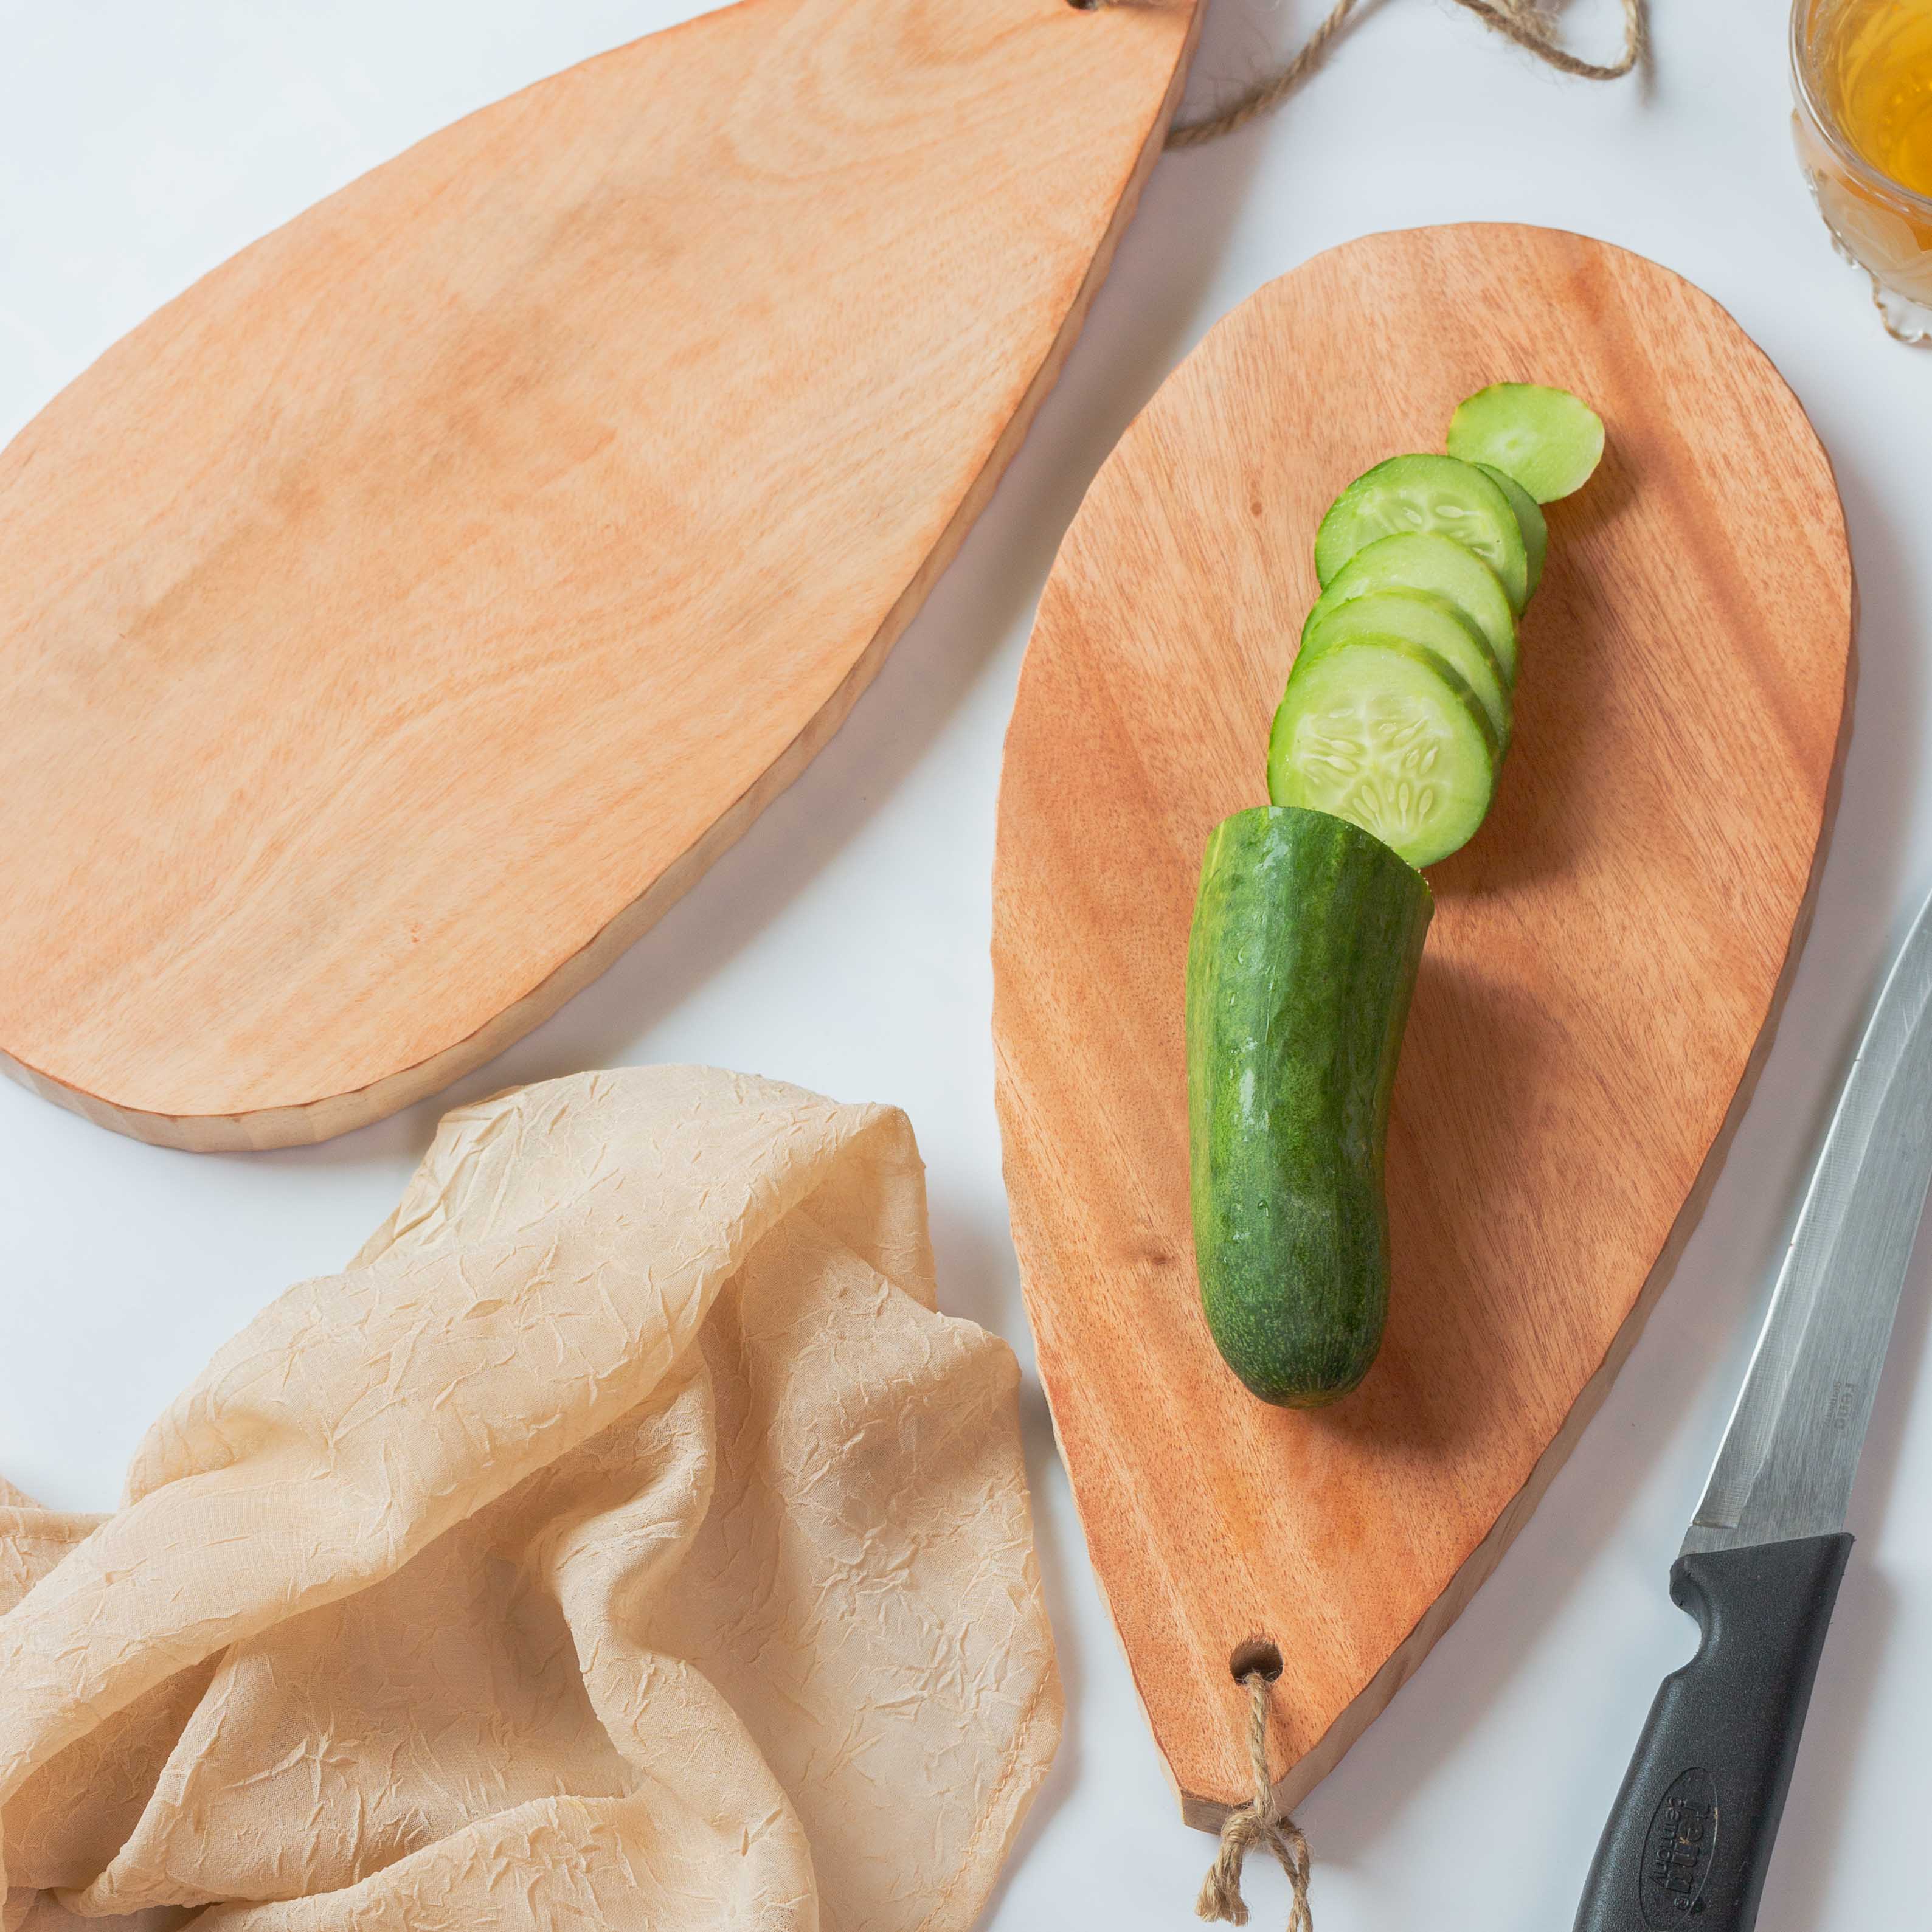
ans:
(844, 943)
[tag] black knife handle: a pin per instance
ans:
(1691, 1835)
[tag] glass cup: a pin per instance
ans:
(1878, 223)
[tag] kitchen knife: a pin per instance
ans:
(1690, 1837)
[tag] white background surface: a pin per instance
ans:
(843, 945)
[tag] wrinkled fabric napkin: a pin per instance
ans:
(623, 1540)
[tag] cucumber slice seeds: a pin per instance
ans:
(1386, 735)
(1400, 704)
(1422, 560)
(1416, 617)
(1426, 492)
(1529, 519)
(1547, 439)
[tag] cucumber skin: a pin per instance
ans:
(1529, 520)
(1308, 933)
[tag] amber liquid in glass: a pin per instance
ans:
(1864, 131)
(1874, 58)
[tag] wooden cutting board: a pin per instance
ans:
(1605, 958)
(395, 625)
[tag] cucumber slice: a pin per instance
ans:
(1547, 439)
(1529, 519)
(1386, 735)
(1426, 492)
(1416, 617)
(1422, 560)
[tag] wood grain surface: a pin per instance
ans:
(1606, 957)
(396, 624)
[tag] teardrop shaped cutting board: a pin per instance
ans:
(396, 624)
(1605, 958)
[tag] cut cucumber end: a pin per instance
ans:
(1418, 617)
(1424, 560)
(1528, 519)
(1437, 493)
(1550, 441)
(1386, 735)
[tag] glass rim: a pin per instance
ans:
(1826, 123)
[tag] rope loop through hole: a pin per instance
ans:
(1527, 22)
(1256, 1665)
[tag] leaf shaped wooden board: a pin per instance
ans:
(1604, 961)
(394, 624)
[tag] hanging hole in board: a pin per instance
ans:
(1256, 1654)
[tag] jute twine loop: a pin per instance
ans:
(1527, 22)
(1259, 1822)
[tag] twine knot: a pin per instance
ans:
(1260, 1822)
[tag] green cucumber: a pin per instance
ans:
(1416, 617)
(1422, 560)
(1309, 929)
(1386, 734)
(1307, 935)
(1547, 440)
(1426, 492)
(1529, 519)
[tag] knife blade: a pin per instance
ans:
(1689, 1841)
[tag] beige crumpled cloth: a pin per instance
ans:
(623, 1540)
